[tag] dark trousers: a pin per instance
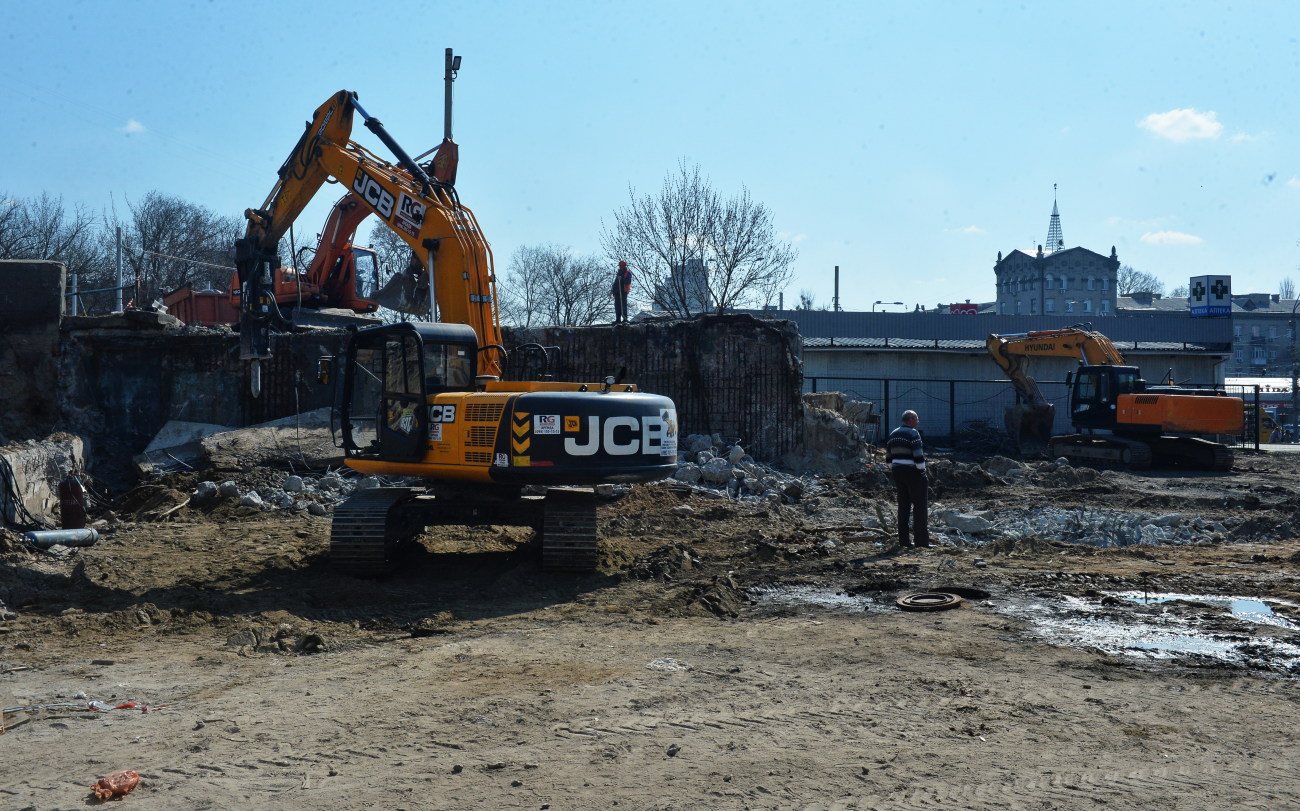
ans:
(620, 303)
(913, 503)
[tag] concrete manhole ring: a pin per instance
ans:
(928, 601)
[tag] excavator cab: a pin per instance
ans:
(390, 373)
(367, 274)
(1095, 390)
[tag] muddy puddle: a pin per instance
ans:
(1194, 629)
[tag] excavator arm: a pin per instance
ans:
(423, 211)
(1030, 420)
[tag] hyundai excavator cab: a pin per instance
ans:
(424, 404)
(1116, 415)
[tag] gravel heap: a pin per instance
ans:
(709, 463)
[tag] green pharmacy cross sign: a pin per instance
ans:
(1211, 296)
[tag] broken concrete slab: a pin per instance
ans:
(301, 439)
(30, 474)
(176, 447)
(129, 319)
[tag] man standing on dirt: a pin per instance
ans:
(906, 458)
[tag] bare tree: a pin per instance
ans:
(169, 243)
(42, 228)
(549, 285)
(807, 301)
(1129, 281)
(1179, 292)
(1286, 288)
(692, 251)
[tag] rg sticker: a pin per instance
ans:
(410, 214)
(546, 424)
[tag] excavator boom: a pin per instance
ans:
(425, 213)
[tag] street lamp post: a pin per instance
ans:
(873, 306)
(1295, 381)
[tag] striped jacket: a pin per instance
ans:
(904, 448)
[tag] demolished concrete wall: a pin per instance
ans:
(123, 380)
(116, 380)
(731, 375)
(30, 473)
(31, 304)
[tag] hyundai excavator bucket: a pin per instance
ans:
(405, 294)
(1030, 427)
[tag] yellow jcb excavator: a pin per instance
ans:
(1117, 416)
(426, 400)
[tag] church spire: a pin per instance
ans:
(1055, 242)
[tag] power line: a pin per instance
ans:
(183, 259)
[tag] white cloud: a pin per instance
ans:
(132, 127)
(786, 235)
(1242, 136)
(1294, 183)
(1170, 238)
(970, 229)
(1183, 125)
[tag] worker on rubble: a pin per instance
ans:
(906, 457)
(622, 286)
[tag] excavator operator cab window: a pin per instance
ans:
(367, 270)
(1128, 382)
(448, 367)
(1088, 397)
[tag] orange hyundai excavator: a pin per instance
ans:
(340, 274)
(1117, 416)
(426, 400)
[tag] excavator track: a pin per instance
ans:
(1193, 452)
(362, 535)
(1094, 450)
(569, 530)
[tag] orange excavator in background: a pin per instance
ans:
(426, 400)
(1116, 415)
(341, 275)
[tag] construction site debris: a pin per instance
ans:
(44, 539)
(118, 784)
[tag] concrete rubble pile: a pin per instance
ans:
(711, 464)
(307, 493)
(1091, 526)
(32, 472)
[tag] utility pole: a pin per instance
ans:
(118, 307)
(1295, 380)
(837, 288)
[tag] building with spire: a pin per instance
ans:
(1055, 280)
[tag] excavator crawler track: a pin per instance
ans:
(362, 535)
(1109, 450)
(569, 530)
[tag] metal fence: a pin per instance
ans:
(969, 410)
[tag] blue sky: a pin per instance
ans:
(908, 143)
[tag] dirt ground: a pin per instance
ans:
(726, 655)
